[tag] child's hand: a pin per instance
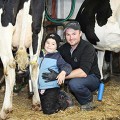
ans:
(61, 77)
(51, 76)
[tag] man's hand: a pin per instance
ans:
(50, 76)
(61, 77)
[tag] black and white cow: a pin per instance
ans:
(20, 27)
(100, 21)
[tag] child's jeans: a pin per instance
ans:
(50, 100)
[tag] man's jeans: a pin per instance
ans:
(82, 88)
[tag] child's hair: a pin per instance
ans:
(54, 36)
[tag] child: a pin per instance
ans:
(49, 60)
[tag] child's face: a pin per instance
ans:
(50, 45)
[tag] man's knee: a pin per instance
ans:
(76, 86)
(72, 85)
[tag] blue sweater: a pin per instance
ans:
(55, 62)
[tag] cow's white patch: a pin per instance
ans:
(109, 36)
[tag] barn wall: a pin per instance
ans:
(64, 6)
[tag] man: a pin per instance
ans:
(81, 55)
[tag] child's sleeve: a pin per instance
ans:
(63, 66)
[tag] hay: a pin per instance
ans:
(108, 109)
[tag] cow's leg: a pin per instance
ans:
(34, 71)
(106, 76)
(35, 68)
(9, 72)
(8, 65)
(100, 61)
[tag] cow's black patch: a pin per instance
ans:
(89, 12)
(10, 9)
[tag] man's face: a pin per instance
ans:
(72, 36)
